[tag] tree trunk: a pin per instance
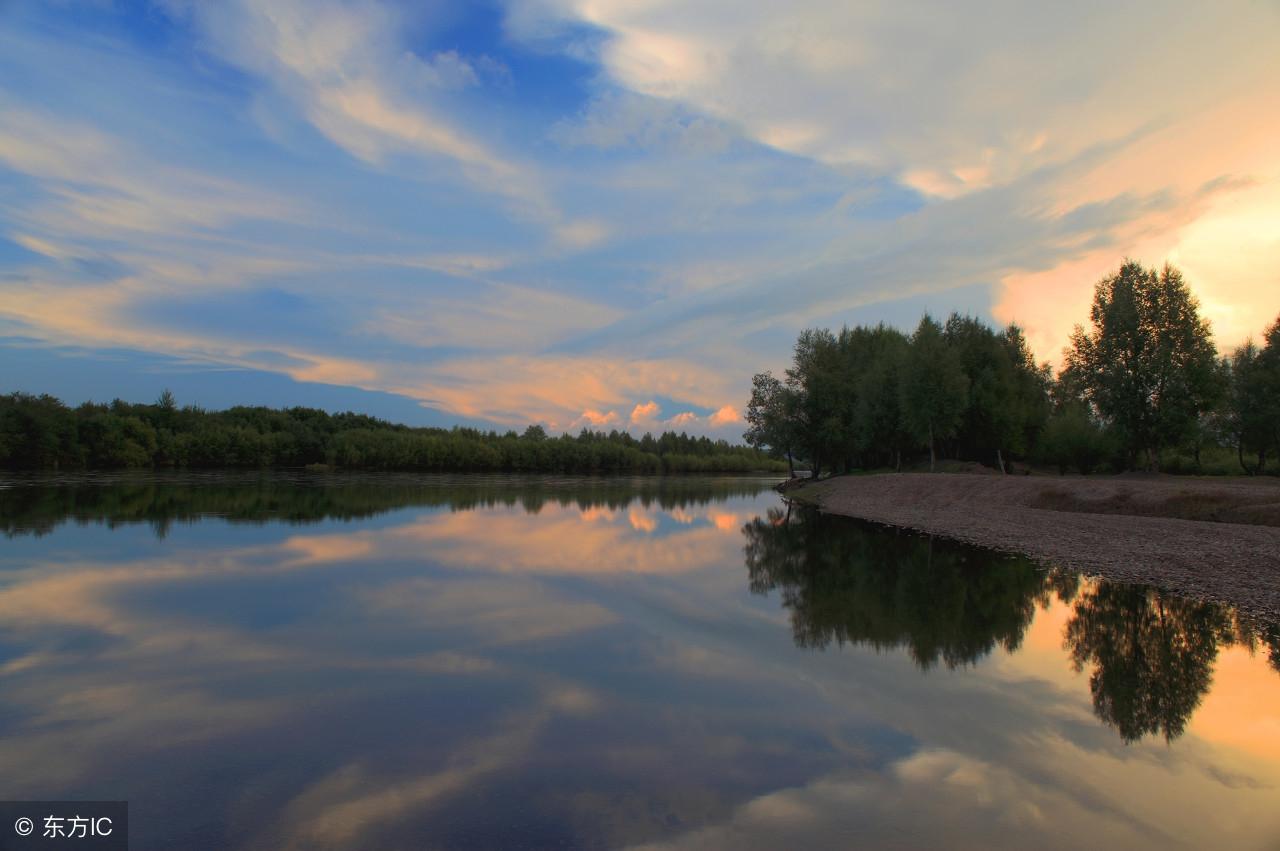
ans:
(791, 464)
(1240, 455)
(1000, 461)
(932, 457)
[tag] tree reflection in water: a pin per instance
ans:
(38, 505)
(1150, 654)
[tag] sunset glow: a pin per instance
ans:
(601, 214)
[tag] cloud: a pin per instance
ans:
(348, 69)
(728, 415)
(595, 419)
(661, 227)
(625, 120)
(977, 94)
(96, 185)
(959, 101)
(645, 413)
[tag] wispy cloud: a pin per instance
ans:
(611, 206)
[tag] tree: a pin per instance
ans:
(1029, 397)
(879, 432)
(934, 388)
(1007, 401)
(1147, 364)
(1243, 423)
(1071, 439)
(1262, 395)
(815, 381)
(771, 423)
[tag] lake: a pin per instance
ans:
(406, 662)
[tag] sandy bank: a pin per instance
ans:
(1212, 538)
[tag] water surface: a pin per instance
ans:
(266, 662)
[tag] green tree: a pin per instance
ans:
(771, 417)
(816, 382)
(879, 432)
(1007, 400)
(934, 388)
(1148, 363)
(1073, 440)
(1252, 411)
(1029, 398)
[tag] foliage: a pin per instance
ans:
(934, 387)
(1073, 440)
(867, 395)
(1148, 364)
(41, 433)
(1142, 382)
(1250, 417)
(770, 416)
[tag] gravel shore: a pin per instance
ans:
(1211, 538)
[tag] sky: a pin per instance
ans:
(603, 213)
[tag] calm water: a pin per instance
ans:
(409, 662)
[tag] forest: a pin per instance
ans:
(42, 433)
(1142, 387)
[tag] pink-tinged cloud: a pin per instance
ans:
(1220, 227)
(646, 413)
(683, 419)
(596, 419)
(727, 415)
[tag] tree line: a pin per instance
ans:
(43, 433)
(1142, 386)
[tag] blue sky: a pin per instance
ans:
(600, 213)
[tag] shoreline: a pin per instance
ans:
(1216, 539)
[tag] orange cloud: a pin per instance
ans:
(596, 419)
(645, 413)
(725, 416)
(1220, 227)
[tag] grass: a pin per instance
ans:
(1183, 505)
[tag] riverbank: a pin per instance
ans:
(1212, 538)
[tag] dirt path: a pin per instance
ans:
(1200, 537)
